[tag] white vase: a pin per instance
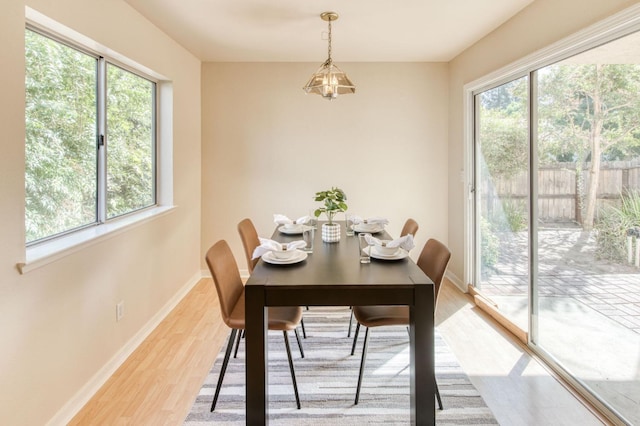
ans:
(330, 232)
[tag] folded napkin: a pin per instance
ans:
(267, 245)
(405, 242)
(281, 219)
(370, 220)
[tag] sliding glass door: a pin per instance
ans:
(557, 216)
(502, 189)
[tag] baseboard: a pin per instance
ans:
(75, 404)
(457, 281)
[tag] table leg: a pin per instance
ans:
(423, 381)
(256, 355)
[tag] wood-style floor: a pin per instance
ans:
(160, 380)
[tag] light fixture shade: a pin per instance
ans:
(329, 82)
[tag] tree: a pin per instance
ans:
(588, 111)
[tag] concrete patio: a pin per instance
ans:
(588, 310)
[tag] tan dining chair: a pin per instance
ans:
(250, 241)
(410, 227)
(230, 289)
(433, 261)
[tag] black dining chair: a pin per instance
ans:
(433, 261)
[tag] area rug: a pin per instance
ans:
(327, 377)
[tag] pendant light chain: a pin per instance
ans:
(329, 60)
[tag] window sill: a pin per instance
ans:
(42, 254)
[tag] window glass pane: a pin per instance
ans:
(60, 175)
(130, 136)
(588, 280)
(502, 197)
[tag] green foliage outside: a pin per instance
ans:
(613, 224)
(489, 247)
(60, 145)
(585, 113)
(130, 172)
(61, 153)
(511, 217)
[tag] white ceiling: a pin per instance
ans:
(291, 30)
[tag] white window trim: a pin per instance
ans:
(41, 254)
(47, 252)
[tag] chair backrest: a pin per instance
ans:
(433, 261)
(410, 227)
(226, 277)
(250, 241)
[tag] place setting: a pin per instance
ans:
(280, 253)
(370, 225)
(292, 227)
(396, 249)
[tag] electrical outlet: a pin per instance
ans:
(119, 310)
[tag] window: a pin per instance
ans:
(90, 139)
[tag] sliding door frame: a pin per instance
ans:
(609, 29)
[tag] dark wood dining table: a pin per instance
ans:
(333, 276)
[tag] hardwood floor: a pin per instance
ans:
(160, 380)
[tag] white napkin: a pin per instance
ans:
(267, 245)
(281, 219)
(405, 242)
(370, 220)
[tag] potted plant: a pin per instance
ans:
(334, 202)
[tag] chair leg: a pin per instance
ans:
(227, 354)
(355, 338)
(293, 374)
(295, 330)
(240, 336)
(438, 398)
(364, 356)
(350, 322)
(304, 332)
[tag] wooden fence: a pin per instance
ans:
(561, 193)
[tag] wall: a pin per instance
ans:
(540, 24)
(57, 323)
(268, 147)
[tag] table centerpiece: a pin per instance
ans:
(334, 203)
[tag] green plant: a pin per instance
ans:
(613, 224)
(489, 246)
(334, 202)
(512, 216)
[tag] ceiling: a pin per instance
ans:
(292, 31)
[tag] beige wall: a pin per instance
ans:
(267, 147)
(57, 323)
(535, 27)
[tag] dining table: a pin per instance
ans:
(332, 275)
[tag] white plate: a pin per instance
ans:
(400, 254)
(374, 230)
(270, 258)
(291, 231)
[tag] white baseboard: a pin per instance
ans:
(244, 274)
(75, 404)
(457, 281)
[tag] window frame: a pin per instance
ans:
(49, 249)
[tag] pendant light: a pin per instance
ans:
(329, 81)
